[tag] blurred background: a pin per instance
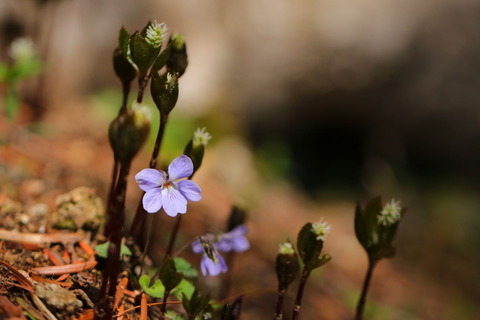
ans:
(313, 105)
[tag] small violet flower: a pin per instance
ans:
(390, 213)
(212, 262)
(234, 240)
(170, 191)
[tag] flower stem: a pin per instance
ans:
(173, 237)
(163, 309)
(366, 284)
(116, 216)
(141, 213)
(298, 300)
(278, 310)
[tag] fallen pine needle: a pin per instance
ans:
(39, 238)
(67, 268)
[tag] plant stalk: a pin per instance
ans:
(278, 315)
(366, 285)
(298, 300)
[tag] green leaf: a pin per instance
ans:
(169, 275)
(102, 250)
(185, 267)
(184, 288)
(157, 290)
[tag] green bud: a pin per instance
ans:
(128, 132)
(123, 68)
(195, 148)
(178, 60)
(310, 245)
(164, 91)
(286, 265)
(376, 225)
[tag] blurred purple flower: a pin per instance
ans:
(234, 240)
(212, 262)
(169, 190)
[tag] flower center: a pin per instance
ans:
(167, 184)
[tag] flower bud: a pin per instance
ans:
(286, 265)
(164, 91)
(123, 68)
(178, 60)
(376, 225)
(195, 148)
(310, 244)
(128, 132)
(155, 34)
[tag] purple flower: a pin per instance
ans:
(212, 262)
(234, 240)
(169, 190)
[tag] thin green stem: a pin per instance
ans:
(366, 285)
(298, 300)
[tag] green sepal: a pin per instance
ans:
(195, 304)
(169, 275)
(124, 41)
(162, 59)
(156, 290)
(232, 311)
(309, 247)
(142, 54)
(195, 154)
(164, 91)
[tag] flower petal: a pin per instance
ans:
(181, 167)
(208, 267)
(240, 244)
(152, 200)
(150, 178)
(173, 201)
(190, 190)
(197, 246)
